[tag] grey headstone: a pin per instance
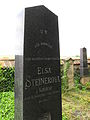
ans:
(83, 62)
(37, 76)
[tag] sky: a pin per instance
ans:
(73, 18)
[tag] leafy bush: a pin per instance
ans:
(65, 78)
(7, 105)
(78, 85)
(64, 117)
(77, 76)
(7, 79)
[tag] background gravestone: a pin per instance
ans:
(83, 62)
(37, 71)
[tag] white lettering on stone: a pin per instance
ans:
(27, 83)
(37, 82)
(43, 31)
(41, 71)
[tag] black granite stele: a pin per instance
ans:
(83, 62)
(37, 71)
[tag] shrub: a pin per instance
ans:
(7, 105)
(65, 78)
(64, 117)
(78, 85)
(7, 79)
(77, 76)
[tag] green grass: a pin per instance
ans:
(75, 105)
(7, 105)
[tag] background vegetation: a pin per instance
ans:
(6, 79)
(7, 93)
(75, 101)
(7, 105)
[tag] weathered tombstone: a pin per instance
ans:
(83, 62)
(85, 78)
(70, 73)
(37, 70)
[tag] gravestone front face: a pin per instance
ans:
(83, 62)
(41, 67)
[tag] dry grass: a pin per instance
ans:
(76, 105)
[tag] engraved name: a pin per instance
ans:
(41, 81)
(36, 82)
(41, 70)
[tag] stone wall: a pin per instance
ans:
(8, 61)
(75, 66)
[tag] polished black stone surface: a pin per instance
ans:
(83, 62)
(41, 66)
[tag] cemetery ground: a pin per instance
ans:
(75, 105)
(75, 102)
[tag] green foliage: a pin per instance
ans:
(6, 79)
(77, 76)
(65, 78)
(78, 85)
(7, 105)
(87, 85)
(64, 117)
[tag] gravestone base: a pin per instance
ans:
(84, 80)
